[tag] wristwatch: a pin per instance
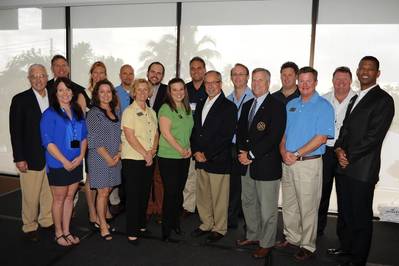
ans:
(296, 153)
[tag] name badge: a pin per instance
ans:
(140, 114)
(292, 109)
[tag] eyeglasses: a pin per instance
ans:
(41, 76)
(212, 82)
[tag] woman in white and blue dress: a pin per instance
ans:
(104, 131)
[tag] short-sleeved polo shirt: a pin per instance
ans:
(145, 126)
(307, 119)
(181, 126)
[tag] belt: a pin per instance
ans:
(308, 157)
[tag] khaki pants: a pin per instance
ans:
(189, 189)
(301, 192)
(213, 200)
(36, 200)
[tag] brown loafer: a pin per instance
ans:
(261, 253)
(246, 242)
(303, 254)
(285, 244)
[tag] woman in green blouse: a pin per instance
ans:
(175, 122)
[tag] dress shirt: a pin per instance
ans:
(361, 94)
(124, 97)
(154, 94)
(207, 106)
(42, 100)
(280, 95)
(340, 111)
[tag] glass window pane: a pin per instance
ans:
(25, 39)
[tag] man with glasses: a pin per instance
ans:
(241, 94)
(29, 154)
(214, 124)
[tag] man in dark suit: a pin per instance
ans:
(155, 74)
(60, 68)
(25, 114)
(358, 149)
(260, 129)
(214, 124)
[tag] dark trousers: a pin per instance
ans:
(329, 173)
(174, 175)
(357, 215)
(235, 207)
(138, 179)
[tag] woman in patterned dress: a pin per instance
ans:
(104, 133)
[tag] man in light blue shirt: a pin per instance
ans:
(126, 74)
(310, 122)
(240, 95)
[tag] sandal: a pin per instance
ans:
(73, 239)
(106, 237)
(58, 241)
(110, 228)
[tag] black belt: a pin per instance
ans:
(308, 157)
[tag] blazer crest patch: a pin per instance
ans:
(261, 126)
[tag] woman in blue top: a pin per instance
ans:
(63, 131)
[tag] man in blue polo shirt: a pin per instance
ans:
(310, 122)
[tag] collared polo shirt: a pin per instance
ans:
(145, 126)
(124, 97)
(307, 119)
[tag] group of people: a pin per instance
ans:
(220, 155)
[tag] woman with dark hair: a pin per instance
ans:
(63, 132)
(104, 138)
(176, 123)
(139, 146)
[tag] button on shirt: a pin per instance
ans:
(340, 111)
(245, 97)
(145, 125)
(42, 100)
(307, 119)
(207, 106)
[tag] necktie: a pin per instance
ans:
(252, 112)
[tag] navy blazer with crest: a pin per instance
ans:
(213, 138)
(25, 116)
(263, 137)
(363, 132)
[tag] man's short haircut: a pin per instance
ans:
(289, 64)
(58, 56)
(371, 58)
(239, 65)
(198, 59)
(261, 69)
(214, 72)
(31, 67)
(156, 63)
(123, 66)
(308, 69)
(343, 69)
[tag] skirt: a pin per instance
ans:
(62, 177)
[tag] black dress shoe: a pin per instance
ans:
(337, 252)
(32, 236)
(48, 228)
(178, 231)
(213, 237)
(168, 239)
(348, 263)
(198, 232)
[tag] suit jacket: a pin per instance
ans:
(160, 98)
(263, 137)
(25, 116)
(363, 132)
(213, 138)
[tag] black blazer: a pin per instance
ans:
(363, 132)
(263, 137)
(26, 142)
(160, 98)
(214, 137)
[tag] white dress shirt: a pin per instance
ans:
(340, 111)
(361, 94)
(154, 95)
(42, 100)
(207, 106)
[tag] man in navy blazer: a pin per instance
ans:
(214, 124)
(25, 115)
(260, 129)
(358, 149)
